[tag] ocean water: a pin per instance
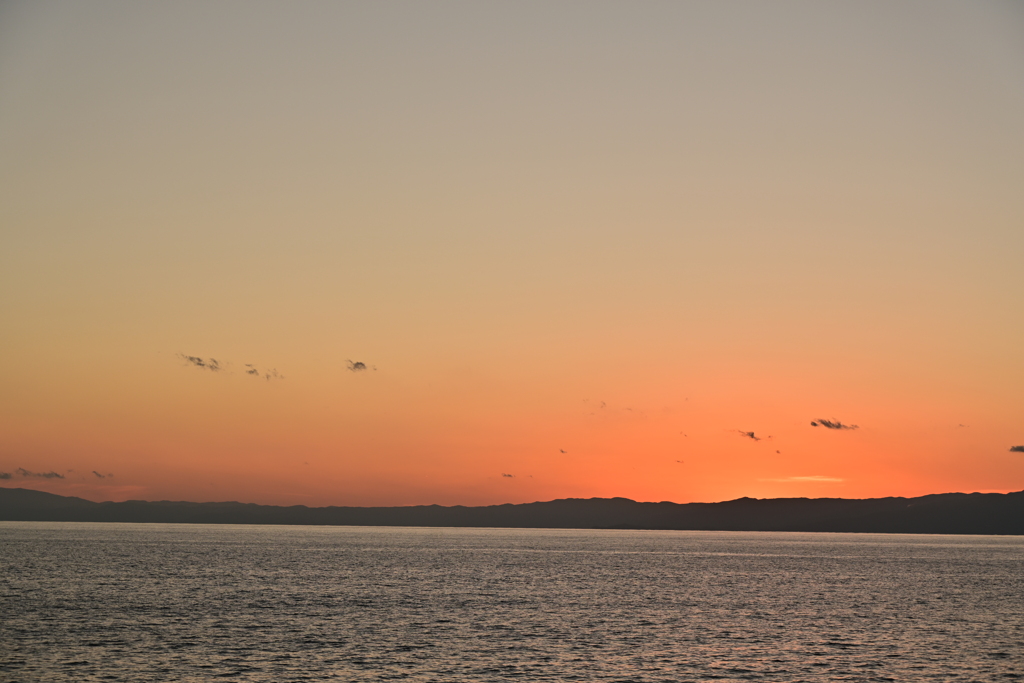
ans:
(124, 602)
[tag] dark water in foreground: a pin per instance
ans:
(122, 602)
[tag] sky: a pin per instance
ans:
(397, 253)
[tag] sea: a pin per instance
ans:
(178, 602)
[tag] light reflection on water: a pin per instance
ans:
(122, 602)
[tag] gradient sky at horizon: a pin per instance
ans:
(585, 244)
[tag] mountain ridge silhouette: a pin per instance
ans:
(944, 513)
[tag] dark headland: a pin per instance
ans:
(946, 513)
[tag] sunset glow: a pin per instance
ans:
(463, 253)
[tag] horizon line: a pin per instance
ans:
(535, 502)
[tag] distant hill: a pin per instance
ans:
(946, 513)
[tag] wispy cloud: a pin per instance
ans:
(101, 476)
(265, 374)
(42, 475)
(832, 424)
(510, 476)
(813, 479)
(214, 365)
(748, 435)
(359, 366)
(5, 475)
(1017, 449)
(211, 364)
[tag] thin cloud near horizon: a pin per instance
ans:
(815, 478)
(21, 471)
(29, 474)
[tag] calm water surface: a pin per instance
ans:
(124, 602)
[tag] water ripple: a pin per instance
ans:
(93, 602)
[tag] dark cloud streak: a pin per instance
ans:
(42, 475)
(832, 424)
(211, 364)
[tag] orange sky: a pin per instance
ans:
(587, 245)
